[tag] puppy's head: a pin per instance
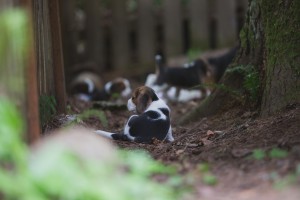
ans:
(141, 98)
(118, 86)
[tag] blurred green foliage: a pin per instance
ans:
(13, 26)
(47, 108)
(276, 153)
(251, 82)
(13, 45)
(207, 177)
(86, 114)
(60, 174)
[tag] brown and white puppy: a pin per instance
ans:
(118, 86)
(151, 121)
(87, 86)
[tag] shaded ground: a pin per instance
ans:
(229, 146)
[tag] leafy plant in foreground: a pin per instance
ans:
(60, 174)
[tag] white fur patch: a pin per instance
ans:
(127, 127)
(104, 133)
(184, 95)
(155, 105)
(90, 84)
(169, 136)
(131, 106)
(107, 86)
(127, 91)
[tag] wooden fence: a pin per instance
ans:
(40, 72)
(125, 34)
(111, 36)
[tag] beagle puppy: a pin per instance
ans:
(204, 72)
(88, 87)
(181, 77)
(119, 86)
(151, 121)
(184, 94)
(85, 84)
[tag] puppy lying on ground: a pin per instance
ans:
(87, 86)
(151, 122)
(84, 85)
(118, 86)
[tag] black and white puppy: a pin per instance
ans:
(118, 86)
(151, 121)
(203, 72)
(84, 85)
(182, 77)
(88, 86)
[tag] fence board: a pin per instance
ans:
(70, 36)
(94, 39)
(199, 24)
(32, 97)
(146, 33)
(58, 66)
(173, 28)
(120, 34)
(226, 23)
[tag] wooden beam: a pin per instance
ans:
(173, 28)
(32, 98)
(57, 53)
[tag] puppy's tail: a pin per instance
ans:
(113, 136)
(159, 64)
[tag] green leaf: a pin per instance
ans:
(209, 179)
(278, 153)
(258, 154)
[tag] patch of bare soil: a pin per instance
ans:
(226, 143)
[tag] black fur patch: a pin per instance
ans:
(147, 126)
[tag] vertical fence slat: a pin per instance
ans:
(199, 24)
(146, 33)
(226, 23)
(69, 36)
(58, 66)
(94, 47)
(120, 35)
(32, 99)
(173, 28)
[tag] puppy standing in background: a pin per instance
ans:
(152, 120)
(186, 77)
(204, 72)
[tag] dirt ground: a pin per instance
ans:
(222, 146)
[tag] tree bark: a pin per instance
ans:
(270, 45)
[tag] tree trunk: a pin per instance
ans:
(270, 48)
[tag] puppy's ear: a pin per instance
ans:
(143, 103)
